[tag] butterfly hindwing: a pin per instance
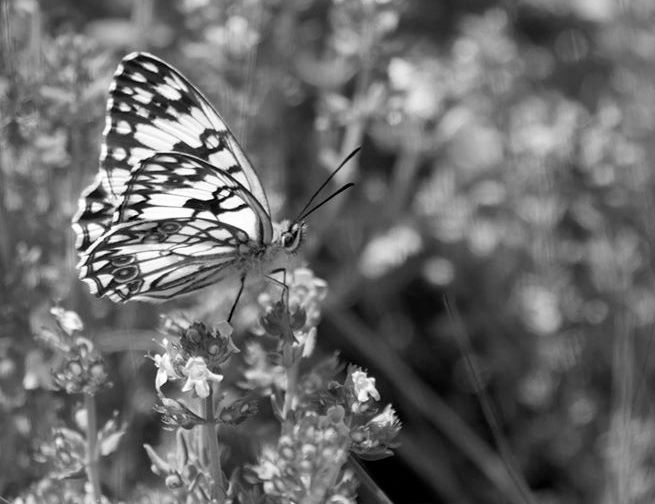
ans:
(175, 185)
(153, 108)
(94, 215)
(157, 260)
(181, 225)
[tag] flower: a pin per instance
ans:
(198, 377)
(260, 372)
(307, 292)
(374, 439)
(176, 414)
(307, 463)
(364, 386)
(385, 419)
(165, 370)
(68, 320)
(82, 370)
(214, 345)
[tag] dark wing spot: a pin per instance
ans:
(122, 260)
(169, 227)
(126, 274)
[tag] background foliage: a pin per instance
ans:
(507, 162)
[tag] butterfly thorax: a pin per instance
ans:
(279, 254)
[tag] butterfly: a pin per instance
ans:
(176, 205)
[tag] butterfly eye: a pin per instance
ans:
(287, 240)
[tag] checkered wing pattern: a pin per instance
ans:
(181, 225)
(153, 108)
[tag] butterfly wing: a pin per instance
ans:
(175, 185)
(152, 107)
(181, 226)
(158, 260)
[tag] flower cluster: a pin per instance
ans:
(66, 453)
(180, 471)
(323, 418)
(79, 366)
(306, 465)
(195, 357)
(55, 491)
(295, 318)
(373, 432)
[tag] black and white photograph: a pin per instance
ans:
(327, 252)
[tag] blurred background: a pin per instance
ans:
(507, 154)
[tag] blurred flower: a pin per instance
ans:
(177, 414)
(419, 85)
(198, 377)
(68, 320)
(79, 366)
(82, 370)
(165, 370)
(195, 353)
(439, 271)
(359, 390)
(180, 471)
(238, 411)
(541, 312)
(294, 319)
(261, 372)
(306, 465)
(237, 36)
(307, 291)
(364, 386)
(65, 454)
(390, 250)
(213, 345)
(374, 439)
(56, 491)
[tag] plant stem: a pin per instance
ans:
(92, 472)
(292, 383)
(367, 482)
(211, 442)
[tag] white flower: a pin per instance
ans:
(198, 377)
(307, 341)
(385, 419)
(68, 320)
(225, 329)
(165, 370)
(364, 387)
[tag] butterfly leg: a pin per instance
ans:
(236, 301)
(283, 283)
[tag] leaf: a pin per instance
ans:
(182, 452)
(109, 444)
(159, 466)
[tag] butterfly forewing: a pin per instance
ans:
(153, 108)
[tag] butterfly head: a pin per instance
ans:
(291, 235)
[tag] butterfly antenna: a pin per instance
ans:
(316, 207)
(343, 163)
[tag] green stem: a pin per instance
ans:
(292, 384)
(367, 482)
(92, 472)
(211, 442)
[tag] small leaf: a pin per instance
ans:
(109, 443)
(76, 474)
(159, 466)
(73, 437)
(182, 453)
